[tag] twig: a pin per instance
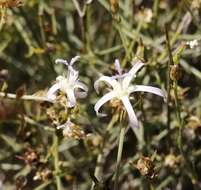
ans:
(25, 97)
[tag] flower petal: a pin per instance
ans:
(128, 78)
(108, 80)
(102, 101)
(71, 98)
(131, 114)
(117, 66)
(136, 67)
(74, 59)
(81, 86)
(81, 94)
(62, 61)
(51, 92)
(72, 75)
(150, 89)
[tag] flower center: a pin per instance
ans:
(65, 85)
(120, 90)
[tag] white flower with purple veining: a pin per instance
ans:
(68, 84)
(121, 88)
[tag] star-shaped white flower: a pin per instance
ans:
(68, 84)
(122, 88)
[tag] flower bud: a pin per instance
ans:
(175, 72)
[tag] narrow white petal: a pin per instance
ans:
(102, 101)
(108, 80)
(131, 114)
(74, 59)
(132, 73)
(62, 61)
(51, 92)
(71, 98)
(117, 66)
(136, 67)
(81, 94)
(150, 89)
(72, 75)
(81, 86)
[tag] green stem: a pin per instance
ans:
(189, 165)
(98, 166)
(119, 155)
(43, 185)
(170, 62)
(24, 97)
(100, 156)
(178, 111)
(155, 8)
(56, 161)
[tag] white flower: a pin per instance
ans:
(68, 84)
(122, 88)
(192, 43)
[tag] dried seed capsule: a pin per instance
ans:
(175, 72)
(146, 167)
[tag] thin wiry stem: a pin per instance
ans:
(178, 111)
(56, 161)
(119, 156)
(98, 166)
(24, 97)
(100, 157)
(179, 138)
(168, 75)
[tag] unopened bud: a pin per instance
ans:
(175, 72)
